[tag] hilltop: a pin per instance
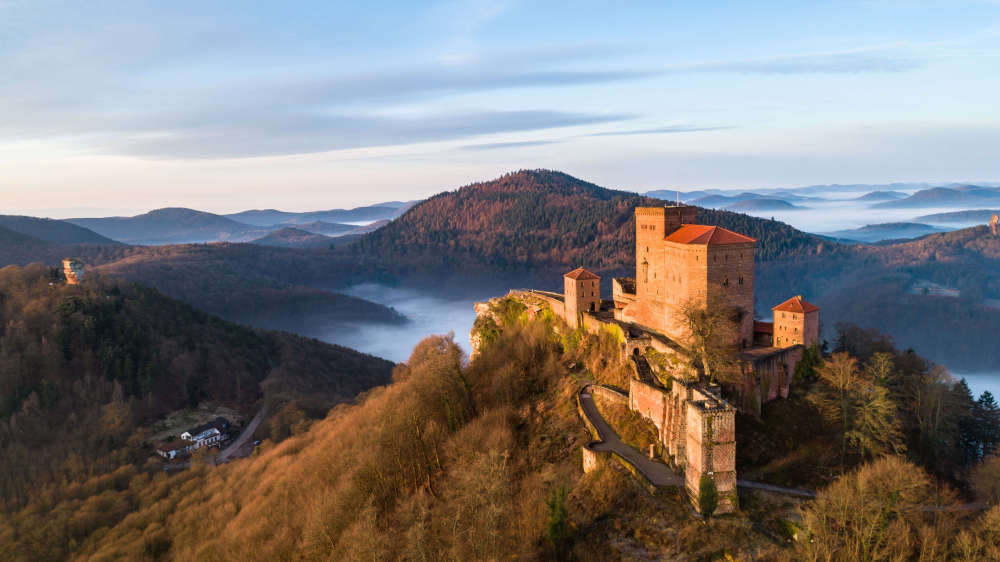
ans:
(762, 204)
(539, 220)
(881, 196)
(289, 237)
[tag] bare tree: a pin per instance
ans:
(862, 408)
(711, 333)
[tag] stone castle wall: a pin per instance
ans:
(697, 429)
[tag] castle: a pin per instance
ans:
(683, 264)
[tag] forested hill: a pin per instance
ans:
(84, 368)
(542, 218)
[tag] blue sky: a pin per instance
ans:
(127, 106)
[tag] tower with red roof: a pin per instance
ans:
(796, 322)
(582, 293)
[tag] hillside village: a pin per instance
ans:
(681, 268)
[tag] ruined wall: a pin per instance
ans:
(711, 450)
(773, 373)
(651, 403)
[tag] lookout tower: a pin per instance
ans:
(582, 291)
(73, 270)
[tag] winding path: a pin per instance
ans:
(234, 448)
(657, 473)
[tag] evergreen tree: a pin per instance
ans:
(708, 496)
(557, 523)
(988, 423)
(967, 422)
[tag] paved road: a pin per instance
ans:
(234, 448)
(656, 472)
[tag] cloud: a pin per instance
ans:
(300, 134)
(659, 131)
(844, 62)
(502, 145)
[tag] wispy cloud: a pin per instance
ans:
(843, 62)
(300, 134)
(514, 144)
(659, 131)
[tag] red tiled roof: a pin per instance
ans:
(704, 234)
(796, 304)
(763, 327)
(581, 274)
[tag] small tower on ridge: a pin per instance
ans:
(582, 293)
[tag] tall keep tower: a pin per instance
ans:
(582, 291)
(652, 225)
(680, 262)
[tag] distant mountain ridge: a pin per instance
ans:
(268, 217)
(977, 216)
(763, 204)
(886, 231)
(881, 196)
(172, 225)
(52, 230)
(963, 195)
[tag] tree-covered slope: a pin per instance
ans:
(83, 368)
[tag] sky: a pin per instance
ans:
(113, 107)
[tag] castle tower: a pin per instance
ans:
(582, 293)
(73, 270)
(652, 225)
(711, 449)
(796, 322)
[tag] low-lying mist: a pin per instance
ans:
(428, 313)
